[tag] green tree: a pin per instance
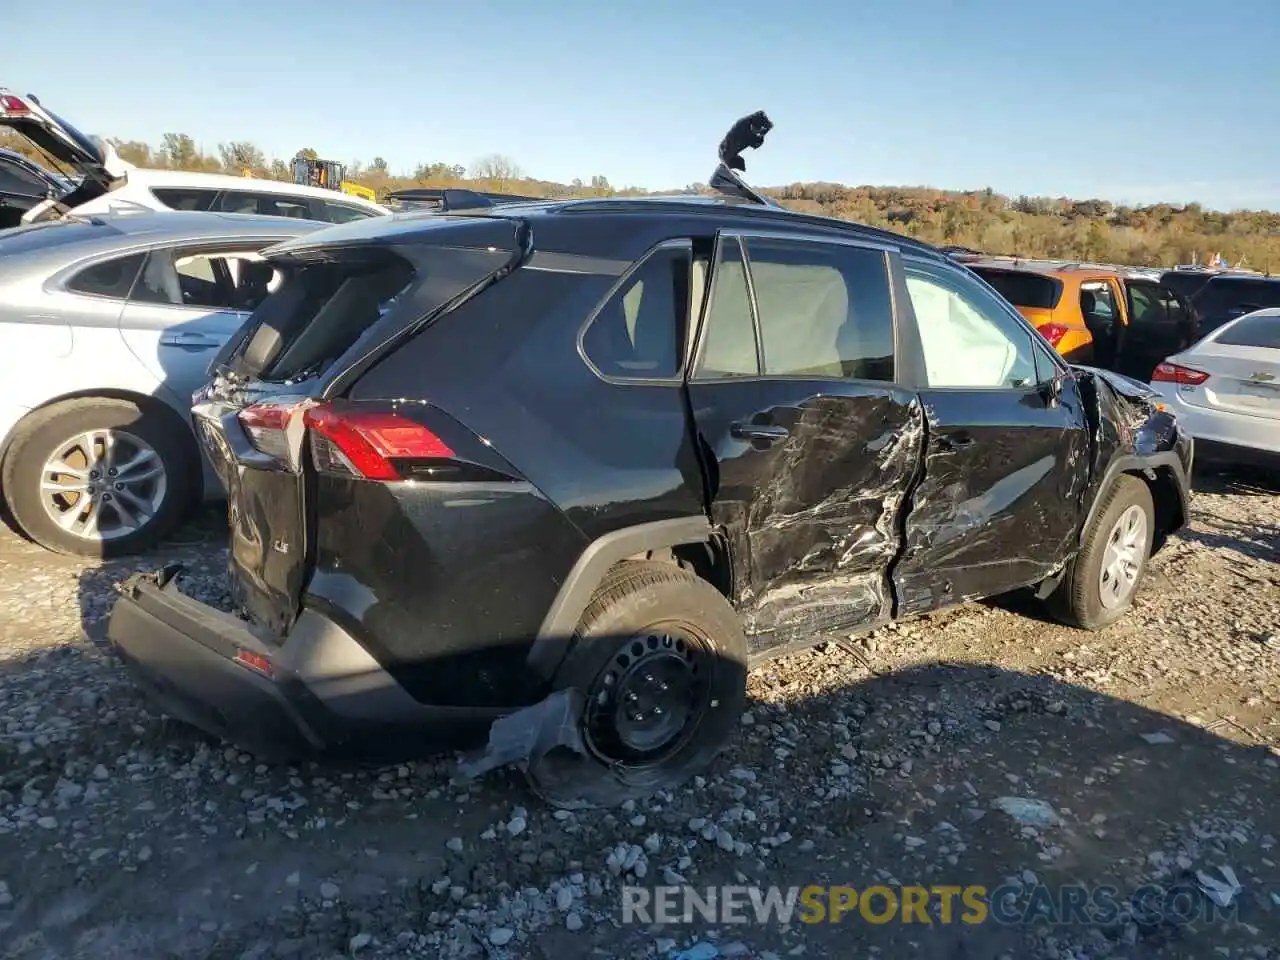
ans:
(240, 155)
(177, 150)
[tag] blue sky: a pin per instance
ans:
(1134, 101)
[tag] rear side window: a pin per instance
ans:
(1260, 330)
(111, 278)
(345, 212)
(636, 334)
(1024, 289)
(183, 198)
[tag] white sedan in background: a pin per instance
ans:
(1225, 390)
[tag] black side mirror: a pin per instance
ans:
(1051, 390)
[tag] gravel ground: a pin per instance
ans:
(981, 746)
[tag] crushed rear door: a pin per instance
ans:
(341, 306)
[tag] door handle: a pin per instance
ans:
(756, 431)
(192, 341)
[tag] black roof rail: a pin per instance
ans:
(750, 132)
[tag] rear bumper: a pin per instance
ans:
(319, 691)
(1223, 430)
(1224, 453)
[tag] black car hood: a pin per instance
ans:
(1125, 386)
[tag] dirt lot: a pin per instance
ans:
(903, 758)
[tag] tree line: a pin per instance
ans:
(1057, 227)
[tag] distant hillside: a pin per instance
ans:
(1156, 235)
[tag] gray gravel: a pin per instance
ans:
(978, 746)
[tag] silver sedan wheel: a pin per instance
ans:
(1123, 557)
(103, 484)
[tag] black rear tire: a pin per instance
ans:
(650, 614)
(36, 439)
(1078, 600)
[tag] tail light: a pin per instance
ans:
(367, 443)
(1183, 376)
(13, 106)
(265, 425)
(1053, 332)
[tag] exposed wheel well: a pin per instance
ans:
(143, 400)
(709, 560)
(1168, 503)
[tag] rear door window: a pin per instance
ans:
(185, 198)
(205, 279)
(1097, 302)
(268, 204)
(636, 334)
(345, 212)
(824, 309)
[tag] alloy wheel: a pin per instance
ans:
(103, 484)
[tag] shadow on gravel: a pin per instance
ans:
(1083, 819)
(199, 545)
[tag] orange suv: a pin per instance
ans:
(1092, 313)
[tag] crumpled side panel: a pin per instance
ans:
(820, 534)
(998, 500)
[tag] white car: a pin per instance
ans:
(107, 327)
(1225, 390)
(107, 184)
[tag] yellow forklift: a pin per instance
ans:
(328, 174)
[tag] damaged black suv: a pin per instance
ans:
(577, 464)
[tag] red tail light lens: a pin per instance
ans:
(13, 105)
(363, 443)
(255, 661)
(265, 425)
(1053, 332)
(1184, 376)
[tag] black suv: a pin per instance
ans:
(580, 463)
(1225, 296)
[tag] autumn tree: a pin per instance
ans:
(135, 152)
(495, 168)
(240, 155)
(177, 150)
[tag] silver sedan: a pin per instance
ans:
(107, 326)
(1225, 390)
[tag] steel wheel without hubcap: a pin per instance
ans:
(646, 702)
(103, 484)
(1122, 557)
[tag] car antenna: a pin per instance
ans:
(748, 132)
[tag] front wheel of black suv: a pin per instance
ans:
(661, 662)
(1104, 577)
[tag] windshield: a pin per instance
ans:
(1023, 289)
